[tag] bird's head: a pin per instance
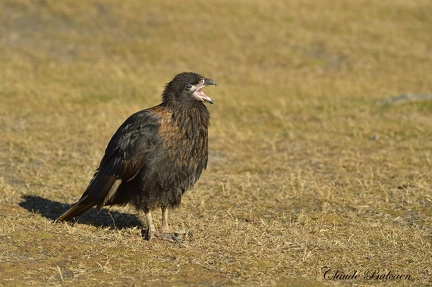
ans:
(187, 88)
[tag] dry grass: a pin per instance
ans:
(307, 170)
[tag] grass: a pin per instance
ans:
(307, 170)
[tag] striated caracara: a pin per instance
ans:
(155, 155)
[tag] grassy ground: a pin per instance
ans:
(308, 171)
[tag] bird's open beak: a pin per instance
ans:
(199, 92)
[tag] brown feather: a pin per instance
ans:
(76, 209)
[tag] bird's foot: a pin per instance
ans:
(146, 234)
(175, 237)
(180, 235)
(149, 233)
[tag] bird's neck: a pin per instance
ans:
(192, 113)
(187, 107)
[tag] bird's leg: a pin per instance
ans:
(165, 231)
(165, 228)
(150, 232)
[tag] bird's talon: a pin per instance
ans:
(175, 239)
(183, 233)
(147, 234)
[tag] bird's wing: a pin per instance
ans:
(124, 158)
(125, 155)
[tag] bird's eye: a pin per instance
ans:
(188, 87)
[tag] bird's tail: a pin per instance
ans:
(76, 209)
(100, 190)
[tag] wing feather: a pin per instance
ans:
(124, 158)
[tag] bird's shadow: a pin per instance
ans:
(52, 209)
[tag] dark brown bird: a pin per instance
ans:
(155, 156)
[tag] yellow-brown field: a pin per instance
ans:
(310, 168)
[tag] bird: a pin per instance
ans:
(155, 156)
